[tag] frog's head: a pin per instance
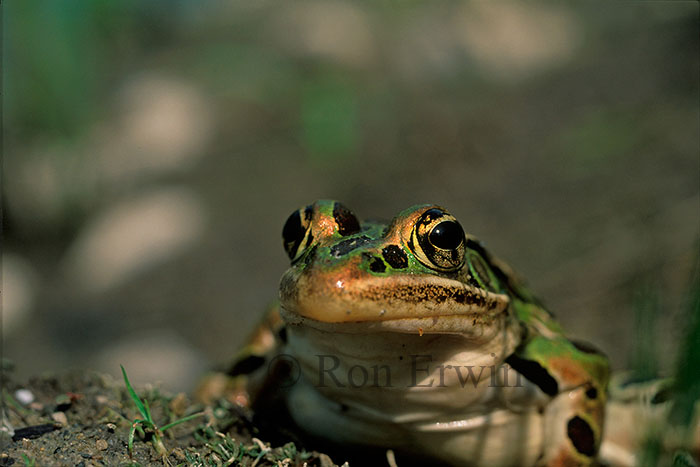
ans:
(419, 272)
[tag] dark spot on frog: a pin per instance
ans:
(377, 265)
(581, 436)
(346, 246)
(585, 347)
(282, 334)
(535, 373)
(344, 408)
(346, 220)
(246, 365)
(591, 393)
(663, 395)
(395, 257)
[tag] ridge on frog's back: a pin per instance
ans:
(411, 336)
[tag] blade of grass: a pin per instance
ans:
(135, 396)
(182, 420)
(130, 441)
(149, 419)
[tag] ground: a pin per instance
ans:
(84, 419)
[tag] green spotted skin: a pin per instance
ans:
(376, 294)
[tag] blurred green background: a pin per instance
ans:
(153, 150)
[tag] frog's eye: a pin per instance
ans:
(438, 241)
(296, 234)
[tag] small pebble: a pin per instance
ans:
(325, 461)
(102, 400)
(101, 445)
(59, 417)
(37, 406)
(179, 454)
(111, 427)
(24, 396)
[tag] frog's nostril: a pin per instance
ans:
(591, 393)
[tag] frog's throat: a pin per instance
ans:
(410, 301)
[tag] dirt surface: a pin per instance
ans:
(84, 419)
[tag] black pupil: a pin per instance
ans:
(447, 235)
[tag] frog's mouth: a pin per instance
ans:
(408, 302)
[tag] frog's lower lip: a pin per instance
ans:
(425, 299)
(470, 325)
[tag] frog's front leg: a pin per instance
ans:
(250, 374)
(576, 377)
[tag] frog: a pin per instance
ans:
(411, 336)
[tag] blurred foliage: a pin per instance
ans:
(62, 57)
(688, 362)
(644, 360)
(329, 118)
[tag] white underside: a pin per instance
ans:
(489, 417)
